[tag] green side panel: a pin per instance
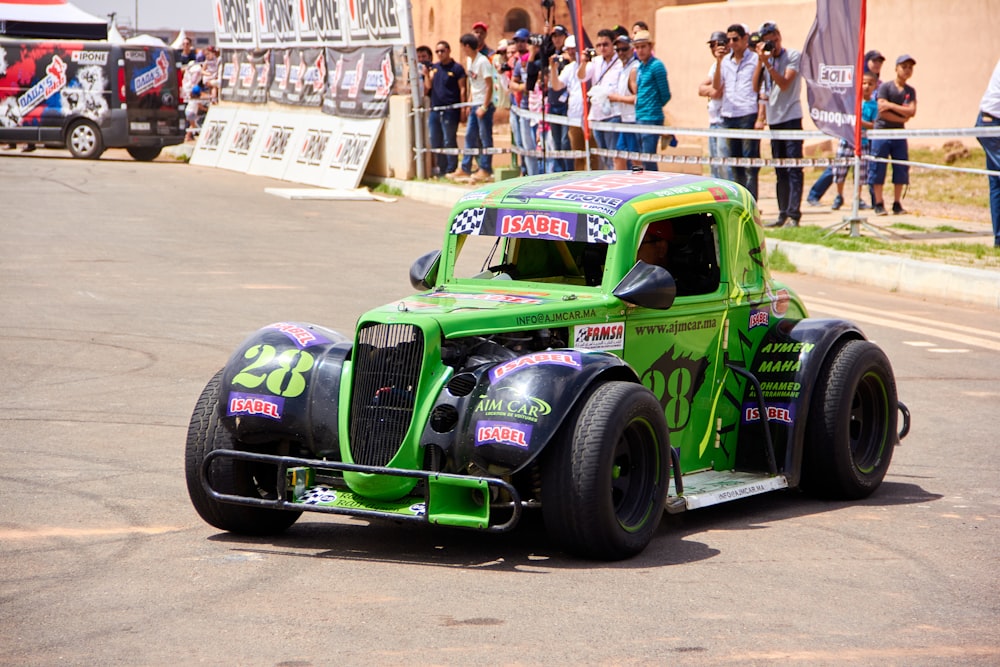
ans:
(458, 502)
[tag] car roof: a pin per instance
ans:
(606, 193)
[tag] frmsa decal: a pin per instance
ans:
(599, 336)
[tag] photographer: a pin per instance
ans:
(717, 44)
(565, 99)
(777, 77)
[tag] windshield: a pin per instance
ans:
(540, 246)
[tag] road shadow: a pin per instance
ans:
(528, 548)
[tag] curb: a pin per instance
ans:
(930, 280)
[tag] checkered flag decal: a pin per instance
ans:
(468, 221)
(599, 230)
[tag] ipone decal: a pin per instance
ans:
(255, 405)
(502, 433)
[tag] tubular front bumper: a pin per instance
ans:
(449, 500)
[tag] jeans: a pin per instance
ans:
(479, 134)
(719, 147)
(607, 139)
(648, 143)
(789, 185)
(528, 142)
(821, 185)
(557, 139)
(745, 176)
(443, 132)
(897, 149)
(992, 147)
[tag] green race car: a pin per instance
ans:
(597, 345)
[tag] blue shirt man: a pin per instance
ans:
(652, 93)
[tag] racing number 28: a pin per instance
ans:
(285, 380)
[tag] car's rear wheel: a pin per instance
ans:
(605, 479)
(83, 139)
(851, 430)
(226, 475)
(144, 153)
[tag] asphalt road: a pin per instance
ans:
(124, 286)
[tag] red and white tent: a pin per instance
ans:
(49, 18)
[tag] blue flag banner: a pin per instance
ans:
(829, 62)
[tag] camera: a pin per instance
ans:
(756, 38)
(590, 53)
(536, 40)
(506, 67)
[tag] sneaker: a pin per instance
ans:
(897, 208)
(863, 205)
(780, 222)
(812, 202)
(482, 176)
(838, 201)
(458, 175)
(879, 209)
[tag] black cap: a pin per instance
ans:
(874, 55)
(767, 28)
(906, 57)
(717, 36)
(559, 30)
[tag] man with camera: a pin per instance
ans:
(601, 71)
(734, 77)
(717, 43)
(566, 95)
(777, 77)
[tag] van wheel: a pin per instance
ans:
(84, 140)
(144, 153)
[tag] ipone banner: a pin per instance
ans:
(246, 76)
(829, 61)
(359, 82)
(310, 23)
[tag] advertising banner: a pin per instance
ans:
(299, 77)
(829, 60)
(360, 81)
(234, 24)
(276, 23)
(246, 76)
(319, 22)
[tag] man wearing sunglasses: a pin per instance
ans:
(601, 74)
(734, 77)
(445, 80)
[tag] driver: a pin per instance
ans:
(656, 243)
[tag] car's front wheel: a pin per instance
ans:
(851, 430)
(227, 475)
(605, 479)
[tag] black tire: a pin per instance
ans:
(605, 478)
(205, 434)
(83, 139)
(144, 153)
(851, 430)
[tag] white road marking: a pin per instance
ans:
(957, 333)
(947, 350)
(919, 343)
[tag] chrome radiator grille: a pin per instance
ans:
(387, 361)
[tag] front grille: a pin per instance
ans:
(387, 359)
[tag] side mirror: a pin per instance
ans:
(423, 272)
(648, 286)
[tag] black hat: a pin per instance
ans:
(717, 36)
(559, 30)
(767, 28)
(874, 55)
(906, 57)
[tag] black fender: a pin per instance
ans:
(283, 382)
(503, 415)
(787, 364)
